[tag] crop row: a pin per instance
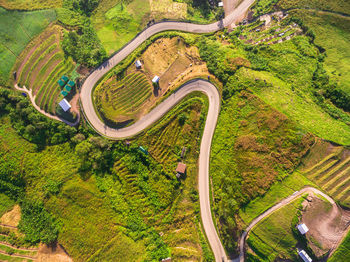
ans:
(130, 91)
(34, 56)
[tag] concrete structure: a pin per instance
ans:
(155, 80)
(64, 105)
(302, 229)
(138, 64)
(304, 256)
(181, 169)
(220, 4)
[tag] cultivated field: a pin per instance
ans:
(328, 166)
(17, 29)
(30, 4)
(41, 66)
(123, 100)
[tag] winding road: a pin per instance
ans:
(196, 85)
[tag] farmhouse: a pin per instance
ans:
(304, 256)
(155, 79)
(181, 169)
(64, 105)
(138, 64)
(302, 229)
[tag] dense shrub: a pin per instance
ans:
(84, 46)
(37, 224)
(31, 124)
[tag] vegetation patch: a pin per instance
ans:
(24, 27)
(340, 6)
(254, 146)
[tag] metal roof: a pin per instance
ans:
(302, 228)
(304, 256)
(155, 79)
(64, 105)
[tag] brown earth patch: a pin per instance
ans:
(327, 224)
(12, 217)
(55, 253)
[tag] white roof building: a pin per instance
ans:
(155, 79)
(65, 105)
(138, 63)
(304, 256)
(302, 229)
(220, 4)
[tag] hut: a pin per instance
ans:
(64, 105)
(302, 229)
(61, 83)
(155, 80)
(64, 93)
(64, 78)
(71, 83)
(304, 256)
(138, 64)
(180, 169)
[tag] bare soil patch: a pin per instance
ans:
(327, 224)
(12, 217)
(55, 253)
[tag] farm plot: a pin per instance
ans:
(328, 166)
(122, 100)
(30, 4)
(42, 66)
(17, 29)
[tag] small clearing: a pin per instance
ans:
(54, 253)
(12, 217)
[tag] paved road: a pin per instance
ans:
(166, 105)
(268, 212)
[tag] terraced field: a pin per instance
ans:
(332, 173)
(43, 65)
(10, 252)
(121, 101)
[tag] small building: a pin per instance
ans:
(71, 83)
(180, 169)
(304, 256)
(64, 78)
(155, 80)
(168, 259)
(138, 64)
(61, 83)
(302, 229)
(64, 93)
(220, 4)
(64, 105)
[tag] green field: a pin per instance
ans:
(17, 29)
(342, 251)
(273, 237)
(43, 66)
(340, 6)
(30, 4)
(121, 101)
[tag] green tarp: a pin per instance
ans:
(64, 78)
(71, 83)
(64, 93)
(61, 83)
(67, 88)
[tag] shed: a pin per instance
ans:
(143, 150)
(302, 229)
(68, 88)
(181, 169)
(304, 256)
(61, 83)
(155, 79)
(71, 83)
(220, 4)
(64, 105)
(138, 64)
(168, 259)
(64, 93)
(64, 78)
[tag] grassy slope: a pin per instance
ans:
(254, 146)
(341, 6)
(333, 34)
(96, 211)
(273, 237)
(16, 30)
(342, 252)
(6, 204)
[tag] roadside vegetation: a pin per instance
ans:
(30, 4)
(17, 29)
(148, 212)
